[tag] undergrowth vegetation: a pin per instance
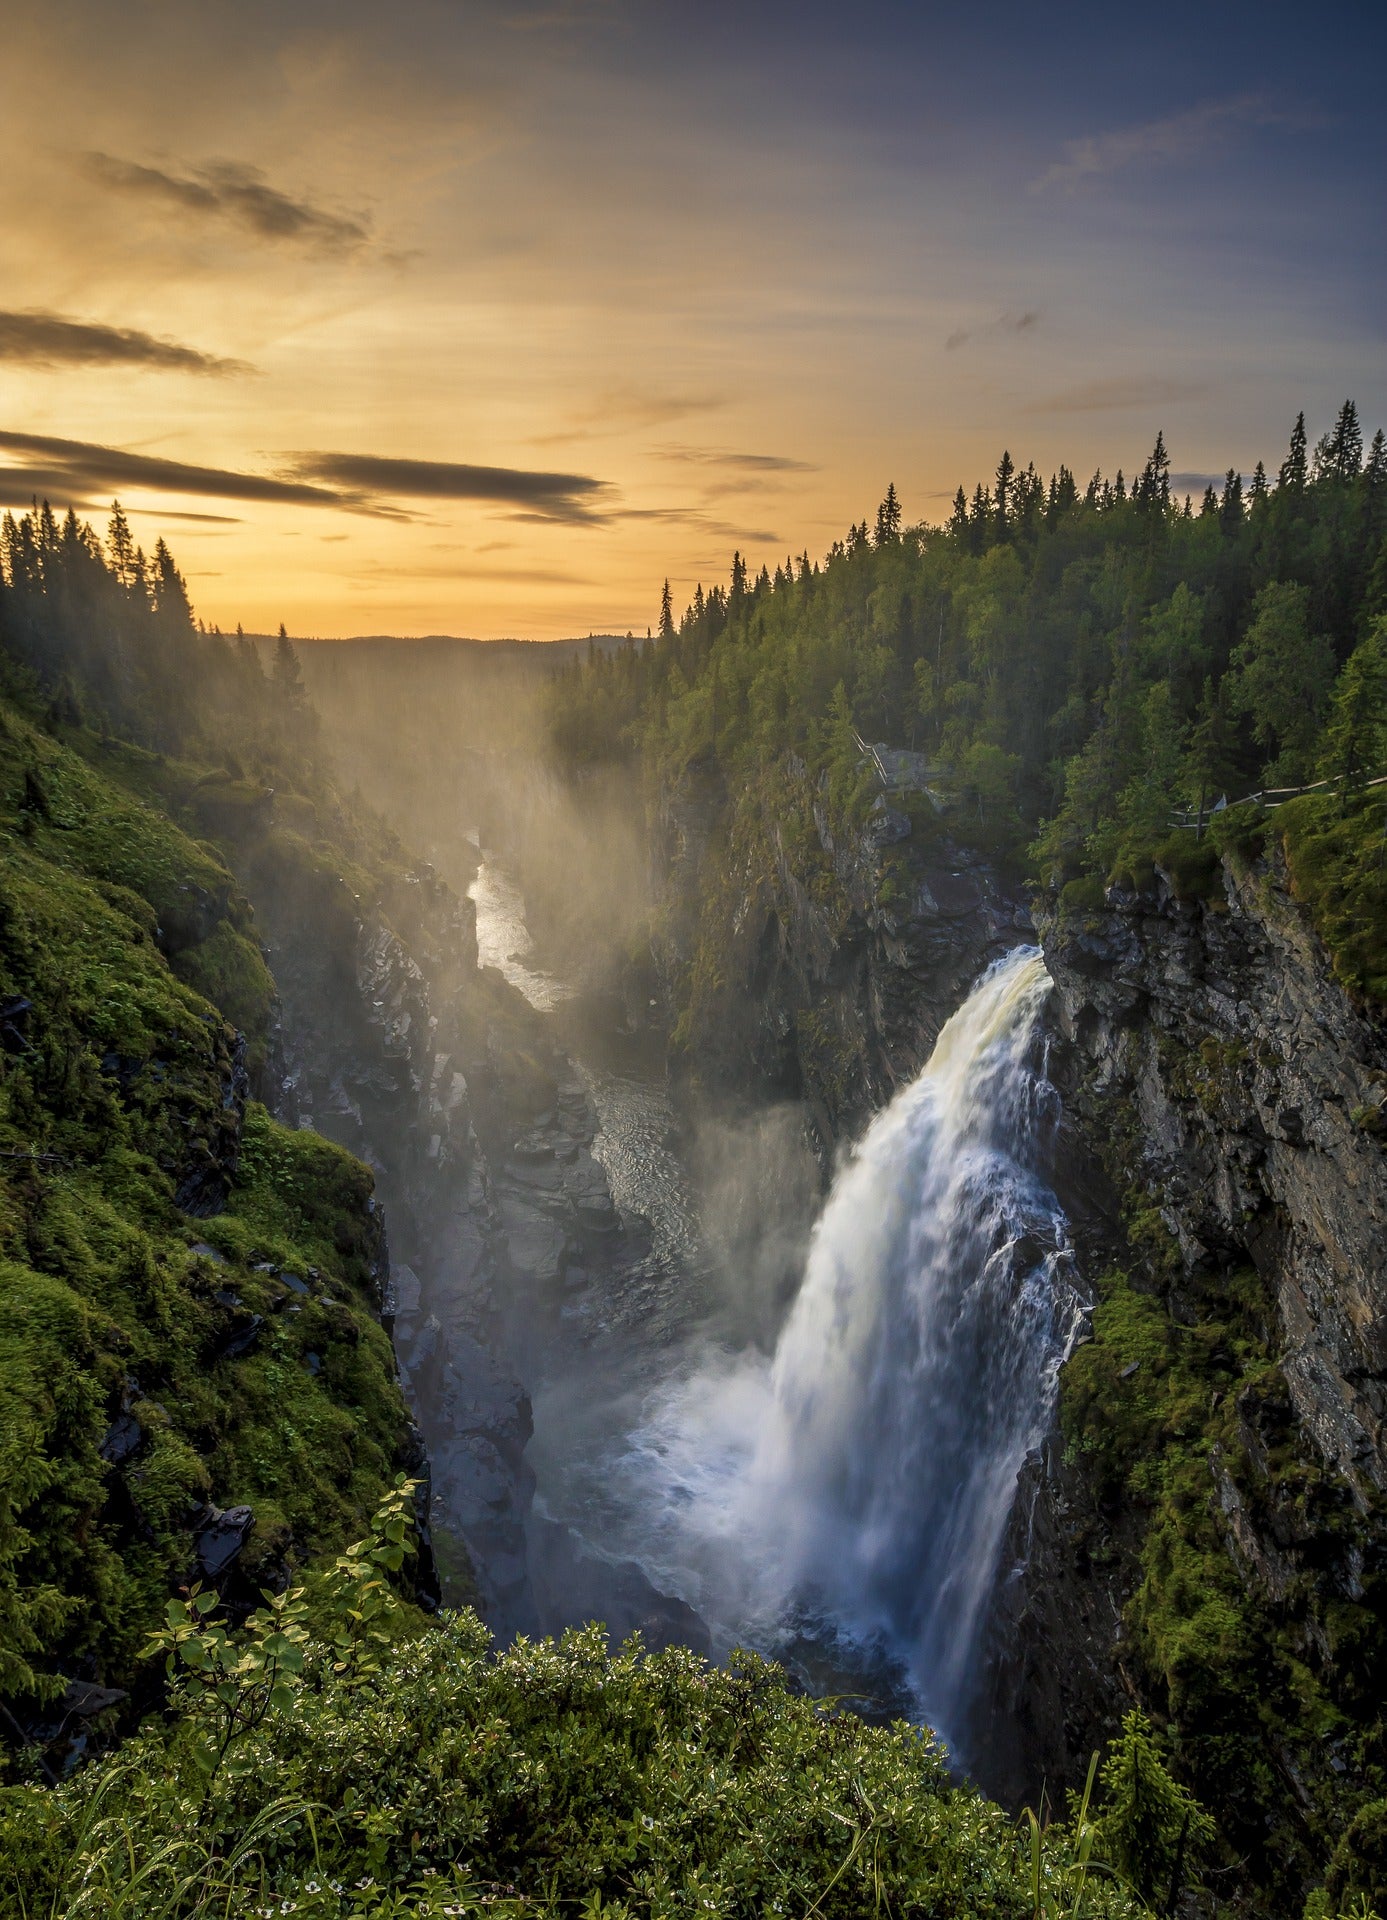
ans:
(1187, 1433)
(340, 1757)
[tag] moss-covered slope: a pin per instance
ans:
(187, 1289)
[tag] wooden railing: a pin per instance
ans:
(1268, 797)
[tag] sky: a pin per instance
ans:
(484, 318)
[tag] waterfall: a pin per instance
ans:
(859, 1483)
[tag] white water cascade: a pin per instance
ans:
(856, 1487)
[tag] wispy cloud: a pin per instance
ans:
(1004, 323)
(1100, 396)
(573, 497)
(39, 339)
(221, 519)
(1177, 137)
(229, 190)
(737, 462)
(519, 575)
(623, 409)
(701, 522)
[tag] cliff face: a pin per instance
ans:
(1256, 1089)
(819, 963)
(382, 1039)
(1223, 1438)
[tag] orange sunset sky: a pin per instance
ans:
(484, 319)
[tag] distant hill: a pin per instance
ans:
(532, 652)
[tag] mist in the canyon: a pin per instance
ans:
(792, 1398)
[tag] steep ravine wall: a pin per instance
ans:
(480, 1132)
(1224, 1445)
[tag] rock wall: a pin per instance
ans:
(1223, 1110)
(1257, 1088)
(836, 964)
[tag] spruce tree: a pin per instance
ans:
(666, 613)
(120, 548)
(1153, 486)
(287, 676)
(1150, 1827)
(1294, 468)
(1006, 470)
(888, 527)
(1345, 451)
(1230, 508)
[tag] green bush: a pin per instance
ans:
(1336, 854)
(1082, 896)
(334, 1759)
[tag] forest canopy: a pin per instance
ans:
(1082, 665)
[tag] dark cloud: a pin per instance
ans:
(353, 483)
(1196, 482)
(1098, 396)
(1004, 323)
(72, 466)
(38, 339)
(573, 497)
(229, 190)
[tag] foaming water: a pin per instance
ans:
(856, 1486)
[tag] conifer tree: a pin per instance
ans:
(1006, 469)
(1294, 469)
(120, 548)
(1345, 449)
(1230, 507)
(1281, 678)
(1353, 737)
(287, 675)
(1213, 752)
(888, 527)
(1150, 1827)
(1152, 488)
(666, 614)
